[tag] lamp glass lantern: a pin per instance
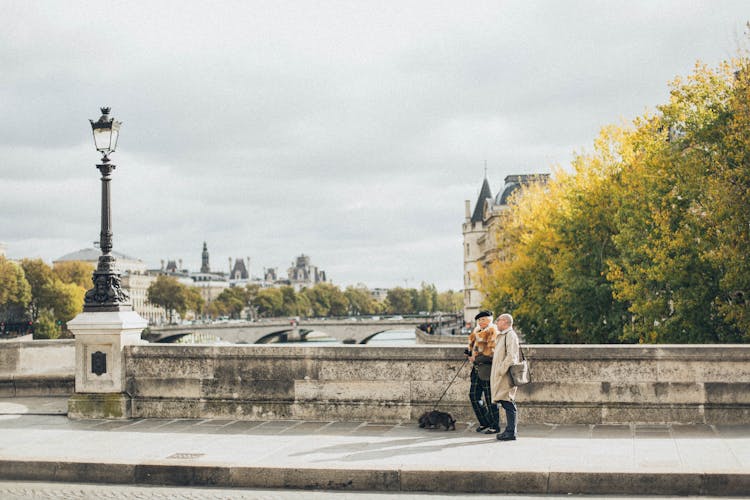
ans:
(106, 132)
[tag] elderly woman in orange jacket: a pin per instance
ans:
(502, 388)
(481, 347)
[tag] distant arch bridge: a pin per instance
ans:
(263, 332)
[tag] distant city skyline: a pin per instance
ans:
(348, 131)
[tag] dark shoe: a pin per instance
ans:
(506, 436)
(481, 428)
(492, 430)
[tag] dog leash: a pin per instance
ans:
(451, 382)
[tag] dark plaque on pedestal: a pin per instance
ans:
(99, 363)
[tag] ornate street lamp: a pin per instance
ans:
(107, 294)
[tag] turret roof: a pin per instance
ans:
(484, 193)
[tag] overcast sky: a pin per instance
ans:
(350, 131)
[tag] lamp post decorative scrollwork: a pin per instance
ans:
(107, 294)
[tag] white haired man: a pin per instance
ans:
(502, 388)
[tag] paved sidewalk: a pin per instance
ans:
(547, 459)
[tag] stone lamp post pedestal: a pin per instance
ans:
(100, 364)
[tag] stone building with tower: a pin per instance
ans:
(205, 266)
(481, 226)
(209, 284)
(302, 273)
(239, 271)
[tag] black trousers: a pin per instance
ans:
(511, 416)
(481, 401)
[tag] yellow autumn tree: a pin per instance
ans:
(645, 238)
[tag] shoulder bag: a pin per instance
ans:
(520, 374)
(483, 365)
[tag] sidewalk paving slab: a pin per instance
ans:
(546, 459)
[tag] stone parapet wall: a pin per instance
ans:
(37, 368)
(571, 383)
(638, 383)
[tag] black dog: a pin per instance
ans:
(434, 419)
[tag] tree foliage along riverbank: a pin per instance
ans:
(647, 238)
(323, 299)
(43, 297)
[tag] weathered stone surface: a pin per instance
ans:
(725, 484)
(369, 411)
(605, 384)
(727, 414)
(166, 388)
(44, 385)
(19, 470)
(486, 481)
(351, 390)
(624, 483)
(269, 389)
(430, 391)
(165, 408)
(113, 406)
(315, 479)
(37, 357)
(188, 367)
(7, 389)
(728, 393)
(94, 472)
(9, 358)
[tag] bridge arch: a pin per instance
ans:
(369, 337)
(278, 336)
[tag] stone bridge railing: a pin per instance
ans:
(37, 367)
(570, 383)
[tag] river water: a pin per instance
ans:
(386, 338)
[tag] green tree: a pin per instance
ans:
(521, 280)
(268, 302)
(15, 291)
(293, 303)
(65, 300)
(675, 274)
(194, 300)
(400, 301)
(48, 293)
(646, 240)
(169, 294)
(450, 301)
(45, 326)
(727, 219)
(232, 301)
(76, 272)
(360, 300)
(426, 298)
(40, 278)
(326, 299)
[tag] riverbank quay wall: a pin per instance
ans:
(571, 384)
(37, 367)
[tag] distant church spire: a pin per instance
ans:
(205, 268)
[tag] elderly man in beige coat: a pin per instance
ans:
(502, 388)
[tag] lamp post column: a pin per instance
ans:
(108, 322)
(107, 294)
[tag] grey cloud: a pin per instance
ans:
(350, 131)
